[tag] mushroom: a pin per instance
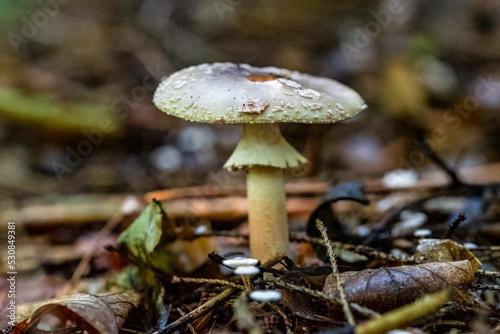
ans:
(259, 99)
(239, 261)
(422, 233)
(265, 296)
(245, 272)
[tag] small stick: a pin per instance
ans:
(482, 286)
(360, 249)
(197, 312)
(84, 262)
(335, 271)
(177, 279)
(428, 151)
(490, 274)
(191, 328)
(286, 320)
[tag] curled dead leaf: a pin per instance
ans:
(97, 314)
(439, 250)
(385, 289)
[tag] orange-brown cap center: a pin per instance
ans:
(261, 78)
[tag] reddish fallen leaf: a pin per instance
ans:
(97, 314)
(385, 289)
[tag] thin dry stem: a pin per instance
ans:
(335, 271)
(197, 312)
(486, 273)
(178, 279)
(482, 286)
(87, 257)
(359, 249)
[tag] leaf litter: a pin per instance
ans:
(382, 274)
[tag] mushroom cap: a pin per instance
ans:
(239, 261)
(240, 93)
(265, 295)
(422, 233)
(247, 270)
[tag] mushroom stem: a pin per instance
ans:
(267, 213)
(246, 283)
(265, 154)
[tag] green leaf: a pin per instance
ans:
(145, 241)
(49, 112)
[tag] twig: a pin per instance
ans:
(428, 151)
(286, 320)
(197, 312)
(360, 249)
(490, 274)
(191, 328)
(335, 271)
(482, 286)
(177, 279)
(103, 234)
(391, 219)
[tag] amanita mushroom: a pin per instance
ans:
(259, 99)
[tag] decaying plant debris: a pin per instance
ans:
(375, 283)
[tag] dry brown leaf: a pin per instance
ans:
(385, 289)
(97, 314)
(438, 250)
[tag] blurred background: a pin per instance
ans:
(77, 80)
